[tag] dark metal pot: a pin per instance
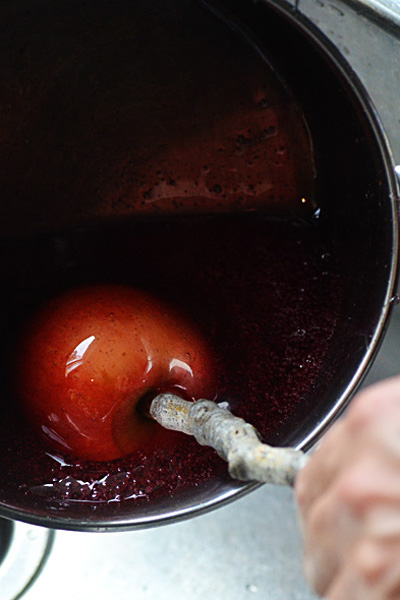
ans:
(356, 188)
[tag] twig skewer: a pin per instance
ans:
(236, 441)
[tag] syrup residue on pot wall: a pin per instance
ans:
(144, 107)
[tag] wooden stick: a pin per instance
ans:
(236, 441)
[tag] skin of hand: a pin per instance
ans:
(349, 501)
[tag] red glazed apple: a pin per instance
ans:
(91, 354)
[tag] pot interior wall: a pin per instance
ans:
(74, 151)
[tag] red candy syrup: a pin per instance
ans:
(265, 293)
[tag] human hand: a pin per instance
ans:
(349, 501)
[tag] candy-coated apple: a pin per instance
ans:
(92, 354)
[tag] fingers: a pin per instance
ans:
(324, 549)
(372, 571)
(376, 408)
(318, 473)
(349, 501)
(346, 514)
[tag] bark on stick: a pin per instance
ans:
(236, 441)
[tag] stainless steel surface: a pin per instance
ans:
(251, 548)
(387, 11)
(373, 52)
(24, 551)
